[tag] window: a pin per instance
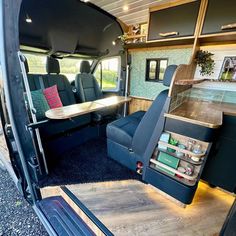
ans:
(155, 69)
(70, 67)
(107, 74)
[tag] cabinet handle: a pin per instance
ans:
(168, 34)
(229, 26)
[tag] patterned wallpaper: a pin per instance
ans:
(141, 88)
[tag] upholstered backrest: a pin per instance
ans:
(52, 66)
(55, 78)
(85, 67)
(63, 86)
(86, 85)
(146, 127)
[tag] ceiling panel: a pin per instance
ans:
(129, 11)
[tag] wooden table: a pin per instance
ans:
(74, 110)
(208, 114)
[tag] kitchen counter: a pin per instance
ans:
(204, 113)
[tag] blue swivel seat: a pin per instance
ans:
(130, 139)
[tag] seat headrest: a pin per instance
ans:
(84, 67)
(52, 66)
(26, 65)
(169, 72)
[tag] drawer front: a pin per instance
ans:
(170, 186)
(181, 19)
(219, 13)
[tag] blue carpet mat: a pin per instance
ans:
(85, 164)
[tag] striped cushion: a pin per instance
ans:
(52, 96)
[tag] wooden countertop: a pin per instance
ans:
(74, 110)
(208, 114)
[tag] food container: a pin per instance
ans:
(189, 170)
(197, 149)
(179, 153)
(196, 159)
(181, 170)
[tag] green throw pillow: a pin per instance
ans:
(40, 103)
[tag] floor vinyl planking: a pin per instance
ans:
(133, 208)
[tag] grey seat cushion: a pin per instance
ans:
(63, 86)
(55, 78)
(87, 87)
(88, 90)
(122, 130)
(37, 81)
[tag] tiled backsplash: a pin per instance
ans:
(141, 88)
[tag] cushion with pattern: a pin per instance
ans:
(52, 96)
(40, 103)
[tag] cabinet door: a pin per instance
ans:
(221, 163)
(219, 13)
(180, 19)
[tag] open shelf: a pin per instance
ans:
(224, 37)
(189, 82)
(137, 36)
(181, 180)
(183, 158)
(161, 43)
(188, 177)
(187, 152)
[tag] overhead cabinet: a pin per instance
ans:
(220, 17)
(173, 22)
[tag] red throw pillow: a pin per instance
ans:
(52, 97)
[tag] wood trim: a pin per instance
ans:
(217, 43)
(173, 3)
(135, 36)
(161, 43)
(171, 39)
(193, 121)
(83, 216)
(189, 82)
(198, 28)
(141, 98)
(138, 104)
(217, 34)
(160, 47)
(148, 25)
(204, 5)
(183, 72)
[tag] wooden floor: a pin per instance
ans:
(133, 208)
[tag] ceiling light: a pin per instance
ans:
(86, 0)
(114, 43)
(125, 8)
(28, 19)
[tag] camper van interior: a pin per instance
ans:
(126, 114)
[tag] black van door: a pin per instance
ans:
(54, 212)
